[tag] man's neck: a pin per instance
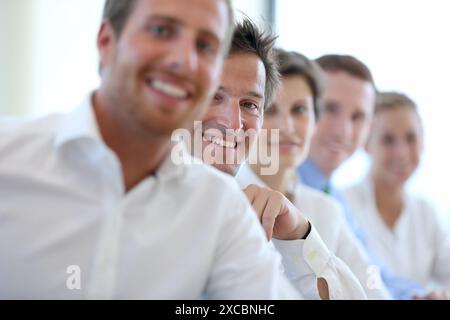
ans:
(326, 171)
(140, 154)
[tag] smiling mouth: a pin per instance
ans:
(168, 89)
(334, 147)
(289, 143)
(220, 142)
(285, 143)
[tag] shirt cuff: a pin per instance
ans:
(301, 257)
(294, 264)
(296, 269)
(316, 253)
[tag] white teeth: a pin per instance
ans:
(220, 142)
(169, 89)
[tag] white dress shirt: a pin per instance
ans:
(186, 232)
(306, 260)
(418, 247)
(11, 121)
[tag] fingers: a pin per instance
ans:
(446, 295)
(438, 295)
(270, 214)
(258, 198)
(434, 295)
(251, 191)
(322, 286)
(254, 192)
(416, 296)
(266, 207)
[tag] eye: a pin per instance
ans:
(161, 30)
(205, 46)
(299, 109)
(358, 117)
(330, 108)
(271, 111)
(387, 140)
(251, 106)
(218, 99)
(411, 138)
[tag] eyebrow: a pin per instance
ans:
(360, 112)
(255, 95)
(303, 100)
(178, 22)
(249, 93)
(163, 18)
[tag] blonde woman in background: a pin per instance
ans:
(403, 229)
(293, 112)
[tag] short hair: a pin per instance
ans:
(296, 64)
(348, 64)
(248, 38)
(391, 100)
(118, 11)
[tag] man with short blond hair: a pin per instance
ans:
(342, 128)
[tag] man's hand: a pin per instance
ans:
(434, 295)
(279, 217)
(281, 220)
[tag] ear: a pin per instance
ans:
(422, 145)
(369, 138)
(367, 144)
(105, 43)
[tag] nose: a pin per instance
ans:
(342, 128)
(229, 115)
(401, 149)
(285, 123)
(184, 57)
(235, 115)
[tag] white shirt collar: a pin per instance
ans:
(82, 123)
(78, 124)
(246, 177)
(173, 169)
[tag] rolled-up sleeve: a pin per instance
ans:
(307, 260)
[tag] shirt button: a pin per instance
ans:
(312, 255)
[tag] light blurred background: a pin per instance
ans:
(48, 60)
(406, 45)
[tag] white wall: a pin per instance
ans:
(48, 57)
(15, 60)
(64, 52)
(406, 43)
(257, 10)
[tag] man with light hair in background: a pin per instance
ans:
(343, 128)
(249, 81)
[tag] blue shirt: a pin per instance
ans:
(399, 287)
